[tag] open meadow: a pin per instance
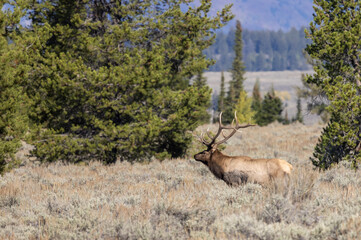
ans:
(181, 199)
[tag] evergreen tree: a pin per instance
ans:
(265, 43)
(293, 49)
(238, 71)
(278, 62)
(200, 81)
(263, 50)
(271, 109)
(111, 81)
(222, 93)
(238, 68)
(336, 49)
(261, 62)
(286, 119)
(317, 101)
(256, 96)
(214, 108)
(256, 100)
(299, 116)
(245, 114)
(13, 102)
(280, 44)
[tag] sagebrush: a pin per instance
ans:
(181, 199)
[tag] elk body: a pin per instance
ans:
(239, 169)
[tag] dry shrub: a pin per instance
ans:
(9, 196)
(181, 199)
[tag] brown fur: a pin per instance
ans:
(241, 169)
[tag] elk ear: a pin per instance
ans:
(213, 150)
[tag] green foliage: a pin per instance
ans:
(317, 101)
(238, 71)
(221, 97)
(13, 102)
(256, 97)
(264, 50)
(271, 109)
(200, 83)
(335, 34)
(111, 81)
(299, 116)
(238, 68)
(245, 114)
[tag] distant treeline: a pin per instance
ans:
(262, 50)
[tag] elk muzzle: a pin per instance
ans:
(203, 157)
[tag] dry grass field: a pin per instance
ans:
(181, 199)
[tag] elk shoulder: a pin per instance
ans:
(239, 169)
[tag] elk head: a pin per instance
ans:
(212, 145)
(235, 170)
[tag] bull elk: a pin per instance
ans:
(239, 169)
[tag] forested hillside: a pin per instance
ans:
(268, 14)
(262, 51)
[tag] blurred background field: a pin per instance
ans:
(284, 83)
(181, 199)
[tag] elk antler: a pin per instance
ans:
(213, 143)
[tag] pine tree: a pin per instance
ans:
(286, 120)
(200, 81)
(263, 50)
(299, 116)
(111, 81)
(222, 93)
(271, 109)
(13, 101)
(335, 34)
(238, 71)
(238, 68)
(245, 114)
(256, 100)
(317, 101)
(256, 96)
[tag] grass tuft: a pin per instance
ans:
(181, 199)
